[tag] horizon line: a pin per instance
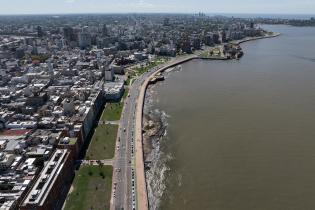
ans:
(175, 13)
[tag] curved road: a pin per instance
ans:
(129, 184)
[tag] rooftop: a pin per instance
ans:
(46, 180)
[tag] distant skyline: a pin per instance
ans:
(157, 6)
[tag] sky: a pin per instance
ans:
(163, 6)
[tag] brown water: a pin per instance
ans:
(241, 134)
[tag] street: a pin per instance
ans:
(124, 187)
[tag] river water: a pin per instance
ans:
(240, 134)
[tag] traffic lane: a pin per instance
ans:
(128, 134)
(121, 163)
(130, 195)
(131, 107)
(127, 120)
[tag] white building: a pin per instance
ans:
(22, 125)
(113, 90)
(109, 74)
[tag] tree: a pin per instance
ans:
(102, 175)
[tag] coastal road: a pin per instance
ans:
(129, 184)
(125, 193)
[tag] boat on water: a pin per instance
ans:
(240, 54)
(178, 68)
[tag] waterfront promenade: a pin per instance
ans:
(142, 196)
(248, 39)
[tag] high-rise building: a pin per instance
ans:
(196, 43)
(40, 32)
(69, 34)
(216, 38)
(104, 30)
(208, 40)
(224, 36)
(109, 74)
(50, 189)
(186, 46)
(252, 25)
(84, 40)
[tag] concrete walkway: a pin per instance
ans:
(106, 162)
(108, 122)
(112, 122)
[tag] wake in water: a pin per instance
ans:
(305, 58)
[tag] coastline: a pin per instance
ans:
(236, 42)
(141, 181)
(256, 38)
(142, 193)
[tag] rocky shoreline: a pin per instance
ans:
(154, 121)
(153, 131)
(153, 125)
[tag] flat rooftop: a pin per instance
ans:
(46, 180)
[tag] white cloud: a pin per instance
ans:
(136, 4)
(70, 1)
(144, 4)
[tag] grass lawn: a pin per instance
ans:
(128, 81)
(142, 70)
(126, 93)
(112, 112)
(204, 54)
(102, 144)
(91, 189)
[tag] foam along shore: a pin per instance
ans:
(142, 195)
